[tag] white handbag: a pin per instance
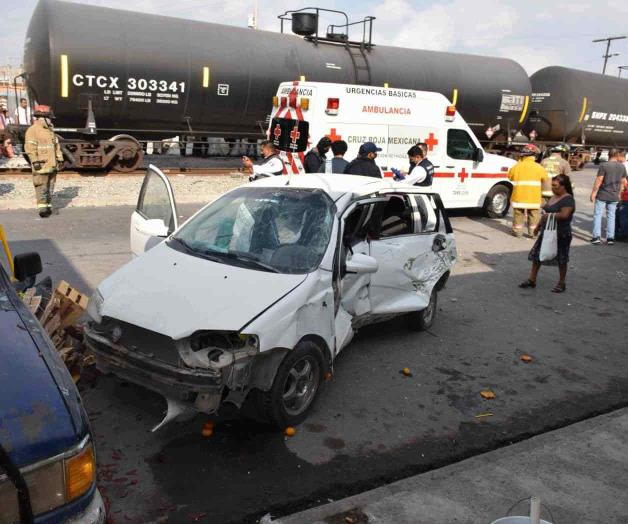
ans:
(549, 244)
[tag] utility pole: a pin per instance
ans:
(620, 70)
(607, 55)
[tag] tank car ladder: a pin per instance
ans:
(361, 66)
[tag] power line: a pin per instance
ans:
(608, 55)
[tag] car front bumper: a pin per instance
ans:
(166, 379)
(93, 514)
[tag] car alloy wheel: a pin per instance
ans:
(301, 385)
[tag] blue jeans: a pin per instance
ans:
(611, 208)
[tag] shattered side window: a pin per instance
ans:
(282, 229)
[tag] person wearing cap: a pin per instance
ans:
(364, 164)
(315, 157)
(527, 178)
(42, 147)
(555, 165)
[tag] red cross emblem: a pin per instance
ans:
(463, 174)
(333, 136)
(277, 131)
(431, 142)
(294, 135)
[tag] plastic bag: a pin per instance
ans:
(549, 244)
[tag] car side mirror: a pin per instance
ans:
(26, 265)
(155, 227)
(361, 264)
(478, 155)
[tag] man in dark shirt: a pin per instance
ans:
(365, 164)
(609, 183)
(337, 164)
(315, 157)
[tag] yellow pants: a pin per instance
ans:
(44, 188)
(519, 220)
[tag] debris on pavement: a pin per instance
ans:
(487, 394)
(483, 415)
(290, 431)
(526, 358)
(406, 372)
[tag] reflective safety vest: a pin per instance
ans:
(429, 169)
(554, 165)
(527, 178)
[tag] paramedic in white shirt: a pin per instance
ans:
(23, 116)
(272, 165)
(417, 173)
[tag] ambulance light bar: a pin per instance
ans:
(275, 101)
(305, 104)
(450, 113)
(332, 106)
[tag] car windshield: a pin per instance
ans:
(281, 230)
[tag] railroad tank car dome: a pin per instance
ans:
(148, 74)
(578, 106)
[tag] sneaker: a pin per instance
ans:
(596, 240)
(610, 241)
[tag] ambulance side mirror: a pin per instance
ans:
(478, 155)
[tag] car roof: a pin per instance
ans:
(337, 186)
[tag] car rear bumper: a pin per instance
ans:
(166, 379)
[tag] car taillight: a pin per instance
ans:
(450, 113)
(332, 106)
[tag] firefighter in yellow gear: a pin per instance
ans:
(42, 147)
(527, 179)
(555, 165)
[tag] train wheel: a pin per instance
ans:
(130, 155)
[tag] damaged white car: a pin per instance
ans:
(255, 296)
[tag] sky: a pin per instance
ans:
(535, 33)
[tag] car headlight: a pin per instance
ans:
(94, 306)
(51, 483)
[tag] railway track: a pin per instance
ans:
(173, 170)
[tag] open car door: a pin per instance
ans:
(155, 216)
(414, 248)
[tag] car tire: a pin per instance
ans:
(497, 201)
(296, 384)
(424, 319)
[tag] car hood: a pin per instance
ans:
(40, 409)
(176, 294)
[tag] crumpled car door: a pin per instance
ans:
(414, 248)
(155, 216)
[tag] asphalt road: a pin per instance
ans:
(371, 425)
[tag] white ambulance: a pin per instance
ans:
(394, 119)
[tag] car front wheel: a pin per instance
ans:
(296, 384)
(424, 319)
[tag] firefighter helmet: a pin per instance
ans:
(560, 148)
(44, 111)
(530, 150)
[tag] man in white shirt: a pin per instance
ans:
(272, 165)
(23, 116)
(417, 173)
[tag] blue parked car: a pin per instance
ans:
(47, 459)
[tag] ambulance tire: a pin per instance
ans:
(497, 201)
(424, 319)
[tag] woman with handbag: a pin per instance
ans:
(552, 246)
